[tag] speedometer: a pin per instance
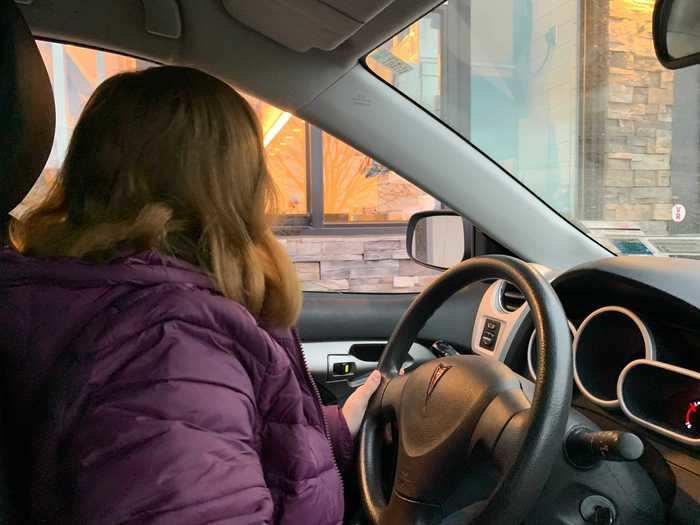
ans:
(692, 417)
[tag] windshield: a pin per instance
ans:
(567, 96)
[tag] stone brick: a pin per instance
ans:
(612, 147)
(662, 212)
(401, 281)
(327, 257)
(621, 93)
(641, 161)
(646, 63)
(619, 128)
(305, 246)
(640, 95)
(612, 195)
(653, 121)
(326, 285)
(660, 96)
(633, 77)
(411, 268)
(620, 28)
(358, 269)
(663, 178)
(389, 254)
(308, 271)
(644, 178)
(625, 111)
(645, 132)
(663, 138)
(658, 149)
(631, 212)
(387, 268)
(370, 285)
(618, 178)
(339, 269)
(665, 116)
(383, 245)
(618, 164)
(651, 195)
(621, 59)
(641, 141)
(643, 46)
(345, 247)
(620, 155)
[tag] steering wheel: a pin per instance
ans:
(456, 414)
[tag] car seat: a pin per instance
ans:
(27, 121)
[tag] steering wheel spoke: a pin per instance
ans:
(488, 435)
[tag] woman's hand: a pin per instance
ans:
(356, 405)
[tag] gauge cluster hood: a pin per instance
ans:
(677, 277)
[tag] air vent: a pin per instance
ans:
(511, 298)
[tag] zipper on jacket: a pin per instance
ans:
(317, 395)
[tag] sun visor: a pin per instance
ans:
(305, 24)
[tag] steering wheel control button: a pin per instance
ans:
(585, 448)
(599, 510)
(489, 336)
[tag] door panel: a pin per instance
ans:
(344, 334)
(335, 365)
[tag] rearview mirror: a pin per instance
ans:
(436, 239)
(676, 29)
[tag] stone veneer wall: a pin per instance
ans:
(628, 100)
(377, 263)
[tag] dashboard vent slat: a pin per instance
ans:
(511, 298)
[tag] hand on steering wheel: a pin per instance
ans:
(452, 411)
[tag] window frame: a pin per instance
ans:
(313, 221)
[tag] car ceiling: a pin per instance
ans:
(288, 74)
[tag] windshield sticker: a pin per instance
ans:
(678, 213)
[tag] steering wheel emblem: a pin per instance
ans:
(438, 374)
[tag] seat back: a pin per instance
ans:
(27, 120)
(26, 109)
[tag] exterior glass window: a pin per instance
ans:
(343, 214)
(569, 98)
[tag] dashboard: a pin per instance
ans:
(635, 340)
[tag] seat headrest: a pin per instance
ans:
(27, 114)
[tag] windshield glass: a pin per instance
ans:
(567, 96)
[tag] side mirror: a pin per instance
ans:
(436, 239)
(676, 28)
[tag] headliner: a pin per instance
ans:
(214, 41)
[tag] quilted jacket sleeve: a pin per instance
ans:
(341, 440)
(169, 436)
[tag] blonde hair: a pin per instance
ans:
(172, 159)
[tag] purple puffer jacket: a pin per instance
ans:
(146, 397)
